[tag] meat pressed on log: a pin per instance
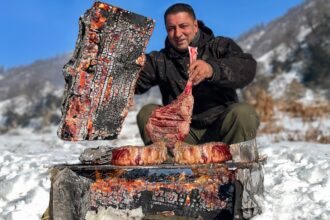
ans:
(157, 153)
(101, 75)
(126, 155)
(171, 123)
(212, 152)
(139, 155)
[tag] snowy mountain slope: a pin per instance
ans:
(286, 29)
(294, 48)
(33, 78)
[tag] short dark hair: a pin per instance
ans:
(180, 7)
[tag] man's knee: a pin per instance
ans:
(245, 115)
(240, 124)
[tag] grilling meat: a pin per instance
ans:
(213, 152)
(139, 155)
(171, 123)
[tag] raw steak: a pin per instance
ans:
(126, 155)
(171, 123)
(212, 152)
(102, 73)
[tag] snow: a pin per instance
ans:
(19, 104)
(296, 180)
(304, 31)
(254, 38)
(277, 87)
(297, 184)
(117, 214)
(280, 53)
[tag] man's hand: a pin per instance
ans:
(199, 70)
(141, 60)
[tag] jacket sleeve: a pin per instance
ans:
(231, 67)
(148, 75)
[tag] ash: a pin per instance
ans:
(115, 214)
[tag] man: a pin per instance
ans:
(220, 68)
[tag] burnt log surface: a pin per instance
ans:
(101, 75)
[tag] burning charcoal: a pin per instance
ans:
(226, 191)
(102, 73)
(135, 174)
(153, 177)
(159, 192)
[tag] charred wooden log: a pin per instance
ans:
(102, 73)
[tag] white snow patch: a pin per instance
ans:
(280, 53)
(296, 180)
(265, 60)
(115, 214)
(247, 44)
(303, 32)
(277, 86)
(311, 97)
(18, 104)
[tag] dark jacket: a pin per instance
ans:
(232, 69)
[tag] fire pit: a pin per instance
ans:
(164, 191)
(167, 190)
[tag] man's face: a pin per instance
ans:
(181, 29)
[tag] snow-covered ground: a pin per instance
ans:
(297, 184)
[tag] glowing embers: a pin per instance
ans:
(181, 192)
(101, 75)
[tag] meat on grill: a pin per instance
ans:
(171, 123)
(212, 152)
(139, 155)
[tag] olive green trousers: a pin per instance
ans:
(238, 123)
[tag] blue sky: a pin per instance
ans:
(39, 29)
